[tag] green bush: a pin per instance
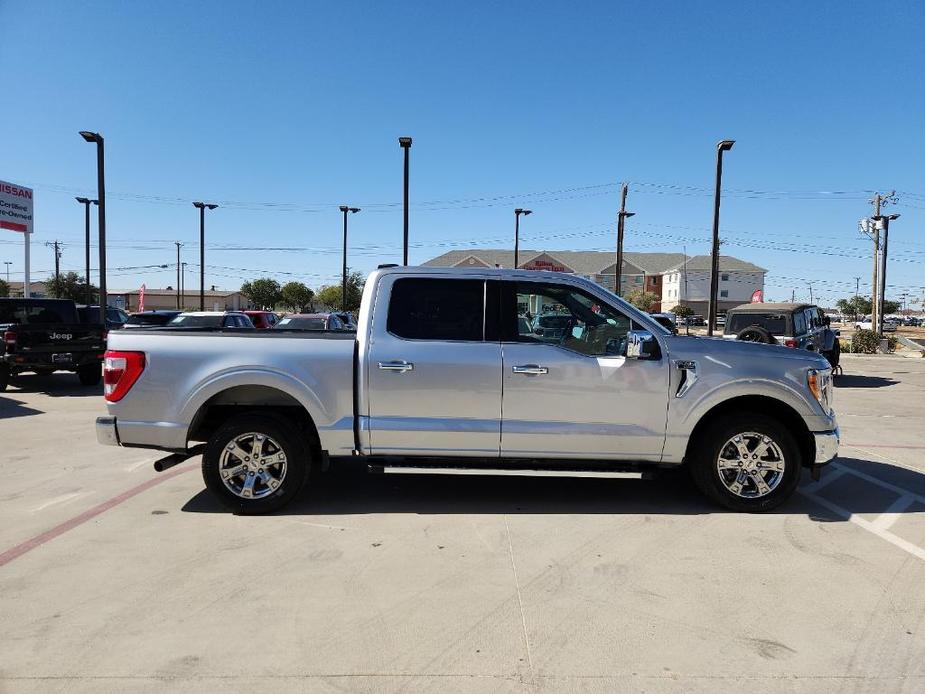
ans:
(845, 346)
(891, 342)
(865, 342)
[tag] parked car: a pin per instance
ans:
(347, 319)
(234, 320)
(696, 319)
(150, 319)
(912, 321)
(796, 325)
(866, 324)
(262, 320)
(439, 373)
(115, 317)
(313, 321)
(47, 335)
(666, 320)
(551, 326)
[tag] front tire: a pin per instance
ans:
(747, 462)
(255, 463)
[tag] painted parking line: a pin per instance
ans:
(39, 540)
(881, 524)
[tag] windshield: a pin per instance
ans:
(197, 321)
(774, 323)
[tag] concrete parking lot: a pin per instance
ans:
(114, 578)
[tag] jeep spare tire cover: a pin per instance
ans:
(755, 333)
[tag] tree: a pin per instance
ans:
(264, 292)
(331, 295)
(296, 296)
(4, 288)
(861, 306)
(72, 286)
(642, 300)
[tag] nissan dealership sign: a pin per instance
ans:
(15, 207)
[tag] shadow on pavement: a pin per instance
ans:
(854, 381)
(61, 384)
(354, 491)
(10, 408)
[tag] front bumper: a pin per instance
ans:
(826, 445)
(106, 432)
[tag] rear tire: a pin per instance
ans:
(90, 375)
(256, 463)
(747, 462)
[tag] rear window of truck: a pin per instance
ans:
(31, 312)
(437, 309)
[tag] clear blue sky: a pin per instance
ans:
(282, 111)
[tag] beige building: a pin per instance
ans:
(215, 300)
(661, 274)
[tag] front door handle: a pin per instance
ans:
(398, 365)
(530, 369)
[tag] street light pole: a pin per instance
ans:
(405, 144)
(7, 263)
(621, 219)
(86, 202)
(202, 206)
(182, 285)
(343, 299)
(101, 216)
(723, 146)
(519, 211)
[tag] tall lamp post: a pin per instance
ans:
(202, 206)
(182, 285)
(405, 144)
(723, 146)
(7, 263)
(101, 216)
(519, 211)
(86, 202)
(883, 222)
(343, 299)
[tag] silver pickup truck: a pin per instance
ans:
(448, 369)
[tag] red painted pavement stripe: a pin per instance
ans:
(39, 540)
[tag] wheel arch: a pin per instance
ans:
(762, 404)
(257, 399)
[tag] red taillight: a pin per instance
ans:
(120, 371)
(790, 342)
(9, 337)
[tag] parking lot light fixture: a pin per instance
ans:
(96, 138)
(343, 299)
(202, 207)
(517, 212)
(722, 146)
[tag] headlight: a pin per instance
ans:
(819, 382)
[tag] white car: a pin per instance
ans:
(888, 326)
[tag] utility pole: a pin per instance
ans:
(857, 287)
(182, 285)
(874, 230)
(621, 221)
(810, 292)
(55, 245)
(7, 263)
(885, 221)
(793, 296)
(178, 244)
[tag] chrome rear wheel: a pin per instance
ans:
(252, 465)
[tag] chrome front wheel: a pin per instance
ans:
(751, 465)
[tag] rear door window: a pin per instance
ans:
(437, 309)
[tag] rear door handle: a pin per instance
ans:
(398, 365)
(530, 369)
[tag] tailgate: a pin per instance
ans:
(57, 338)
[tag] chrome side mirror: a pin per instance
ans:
(641, 344)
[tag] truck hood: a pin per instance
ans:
(740, 353)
